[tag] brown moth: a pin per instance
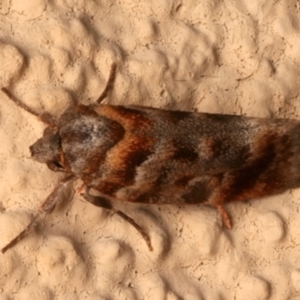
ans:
(155, 156)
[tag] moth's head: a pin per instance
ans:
(47, 149)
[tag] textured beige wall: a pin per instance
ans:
(239, 57)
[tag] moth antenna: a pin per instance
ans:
(45, 117)
(21, 235)
(109, 84)
(45, 209)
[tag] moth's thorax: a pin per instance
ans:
(85, 138)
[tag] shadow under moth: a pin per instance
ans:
(156, 156)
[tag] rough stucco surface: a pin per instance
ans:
(236, 57)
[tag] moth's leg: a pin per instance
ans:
(137, 227)
(216, 197)
(224, 214)
(109, 83)
(104, 202)
(45, 209)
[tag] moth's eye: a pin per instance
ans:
(57, 164)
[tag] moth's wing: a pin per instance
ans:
(164, 151)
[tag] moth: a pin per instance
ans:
(155, 156)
